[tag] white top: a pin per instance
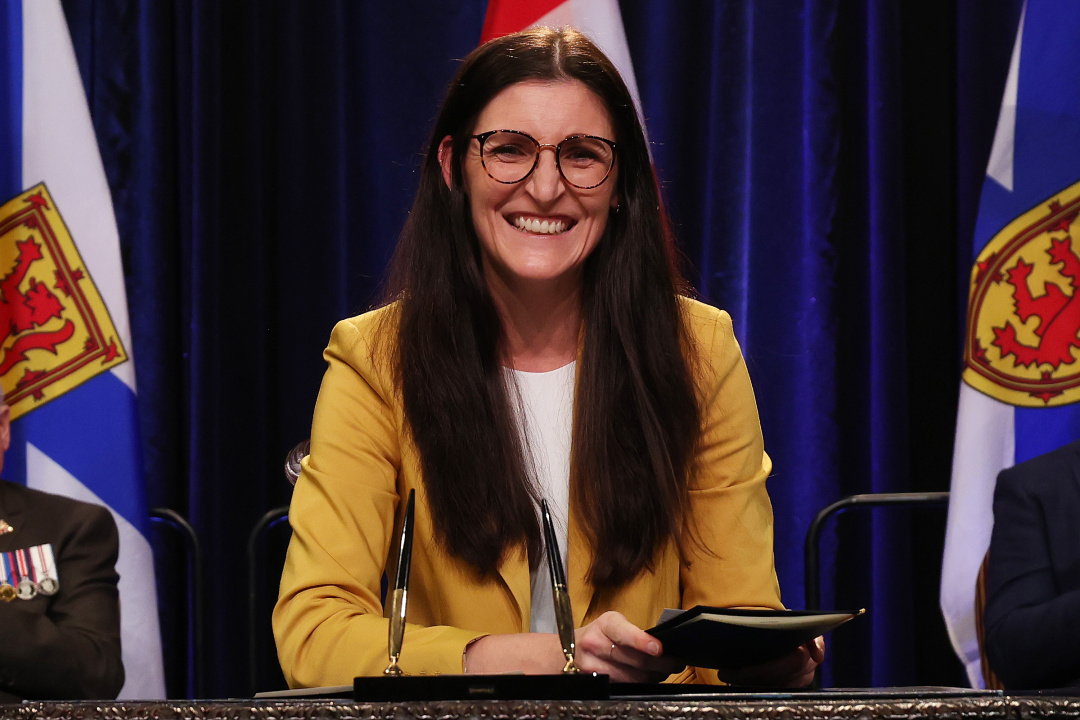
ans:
(545, 417)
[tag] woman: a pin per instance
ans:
(534, 307)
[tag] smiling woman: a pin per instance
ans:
(534, 225)
(536, 344)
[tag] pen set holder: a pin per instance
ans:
(393, 685)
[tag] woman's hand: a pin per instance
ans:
(610, 645)
(796, 669)
(614, 646)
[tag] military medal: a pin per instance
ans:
(7, 590)
(44, 564)
(26, 588)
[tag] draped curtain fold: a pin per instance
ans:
(820, 160)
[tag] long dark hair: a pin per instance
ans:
(636, 416)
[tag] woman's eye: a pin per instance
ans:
(582, 155)
(585, 152)
(508, 153)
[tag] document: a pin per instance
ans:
(717, 638)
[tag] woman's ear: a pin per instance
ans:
(446, 160)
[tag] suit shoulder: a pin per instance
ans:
(364, 331)
(703, 320)
(1045, 470)
(710, 333)
(365, 339)
(75, 512)
(375, 320)
(71, 506)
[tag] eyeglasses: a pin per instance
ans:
(510, 156)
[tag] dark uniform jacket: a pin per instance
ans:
(67, 645)
(1032, 618)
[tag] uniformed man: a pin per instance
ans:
(59, 604)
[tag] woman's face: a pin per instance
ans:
(542, 229)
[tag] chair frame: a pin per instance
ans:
(812, 550)
(172, 519)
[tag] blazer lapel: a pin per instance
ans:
(579, 553)
(579, 561)
(514, 570)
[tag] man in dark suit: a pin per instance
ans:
(59, 626)
(1032, 618)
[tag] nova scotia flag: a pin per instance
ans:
(1020, 395)
(76, 431)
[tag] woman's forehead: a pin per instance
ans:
(547, 110)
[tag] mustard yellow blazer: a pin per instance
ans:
(329, 620)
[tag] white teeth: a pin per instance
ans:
(540, 227)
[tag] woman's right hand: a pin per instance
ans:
(610, 645)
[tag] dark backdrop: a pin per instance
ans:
(821, 161)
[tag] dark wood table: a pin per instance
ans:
(839, 705)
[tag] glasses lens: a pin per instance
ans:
(585, 161)
(508, 157)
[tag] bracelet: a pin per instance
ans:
(464, 654)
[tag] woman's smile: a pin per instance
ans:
(537, 225)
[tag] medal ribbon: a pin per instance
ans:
(48, 581)
(28, 563)
(24, 567)
(37, 559)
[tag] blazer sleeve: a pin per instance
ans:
(328, 621)
(72, 651)
(1031, 621)
(730, 554)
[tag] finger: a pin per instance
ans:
(817, 649)
(629, 657)
(626, 672)
(790, 670)
(802, 674)
(625, 634)
(613, 645)
(602, 659)
(802, 681)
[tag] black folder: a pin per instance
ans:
(717, 638)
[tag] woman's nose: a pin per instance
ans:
(545, 182)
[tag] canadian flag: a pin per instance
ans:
(600, 20)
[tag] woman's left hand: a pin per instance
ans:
(796, 669)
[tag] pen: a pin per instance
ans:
(564, 618)
(399, 597)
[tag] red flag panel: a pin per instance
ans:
(507, 16)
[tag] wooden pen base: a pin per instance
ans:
(576, 686)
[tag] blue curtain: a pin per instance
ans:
(821, 161)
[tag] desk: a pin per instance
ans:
(841, 707)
